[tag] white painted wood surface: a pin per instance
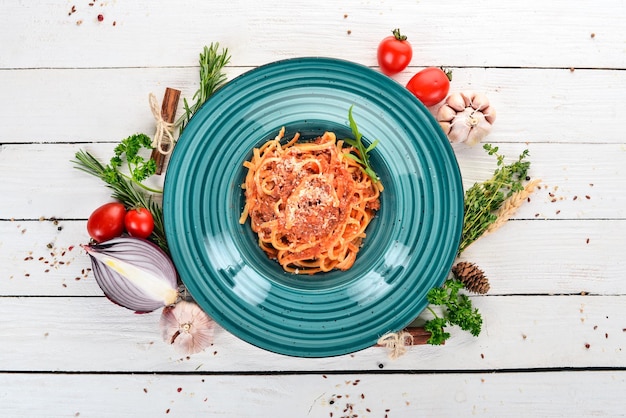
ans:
(555, 318)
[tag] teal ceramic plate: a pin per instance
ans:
(410, 245)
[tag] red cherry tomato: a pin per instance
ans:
(139, 222)
(394, 53)
(430, 86)
(106, 222)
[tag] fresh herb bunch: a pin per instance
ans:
(363, 157)
(457, 309)
(129, 189)
(483, 199)
(125, 191)
(138, 167)
(211, 78)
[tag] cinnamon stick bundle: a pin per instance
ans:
(168, 113)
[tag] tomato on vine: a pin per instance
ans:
(139, 222)
(430, 86)
(394, 53)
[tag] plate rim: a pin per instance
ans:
(291, 61)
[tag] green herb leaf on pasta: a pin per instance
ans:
(363, 153)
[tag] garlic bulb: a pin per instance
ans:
(466, 117)
(186, 327)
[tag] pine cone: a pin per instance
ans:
(471, 276)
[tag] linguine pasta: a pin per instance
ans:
(308, 203)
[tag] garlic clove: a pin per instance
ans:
(456, 102)
(467, 98)
(445, 126)
(446, 113)
(479, 130)
(479, 102)
(490, 114)
(460, 129)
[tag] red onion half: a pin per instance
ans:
(134, 273)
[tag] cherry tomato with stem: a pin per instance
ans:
(139, 222)
(106, 222)
(431, 85)
(394, 53)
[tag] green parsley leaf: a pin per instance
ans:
(456, 308)
(139, 168)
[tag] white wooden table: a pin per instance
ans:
(554, 336)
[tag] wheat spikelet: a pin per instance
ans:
(510, 206)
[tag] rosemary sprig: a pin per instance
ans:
(211, 79)
(363, 157)
(483, 199)
(124, 191)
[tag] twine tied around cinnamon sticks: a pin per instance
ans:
(163, 140)
(396, 343)
(164, 115)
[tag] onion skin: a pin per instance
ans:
(134, 273)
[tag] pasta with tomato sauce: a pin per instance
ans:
(308, 203)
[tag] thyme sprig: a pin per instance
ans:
(363, 157)
(212, 78)
(483, 199)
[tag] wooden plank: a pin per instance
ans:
(36, 259)
(577, 106)
(520, 332)
(42, 180)
(496, 34)
(364, 395)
